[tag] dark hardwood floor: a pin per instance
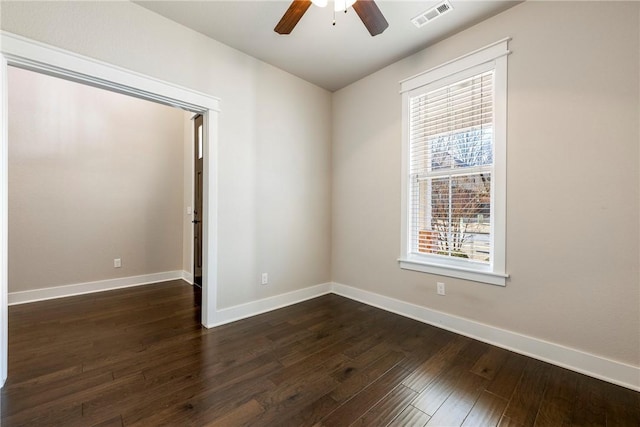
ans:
(140, 357)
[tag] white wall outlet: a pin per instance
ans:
(265, 278)
(188, 210)
(440, 288)
(117, 263)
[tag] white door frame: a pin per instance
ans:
(25, 53)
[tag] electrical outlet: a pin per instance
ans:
(440, 288)
(117, 263)
(265, 278)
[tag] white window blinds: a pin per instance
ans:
(451, 143)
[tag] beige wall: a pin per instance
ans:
(275, 136)
(93, 176)
(573, 185)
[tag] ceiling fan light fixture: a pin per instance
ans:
(320, 3)
(341, 5)
(368, 12)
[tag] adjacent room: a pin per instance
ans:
(413, 213)
(99, 187)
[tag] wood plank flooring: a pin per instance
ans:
(139, 357)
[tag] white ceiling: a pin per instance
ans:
(329, 56)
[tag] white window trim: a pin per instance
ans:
(495, 56)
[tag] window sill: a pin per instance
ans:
(489, 277)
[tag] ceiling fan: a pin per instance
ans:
(367, 10)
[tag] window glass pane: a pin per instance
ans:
(453, 216)
(200, 142)
(452, 127)
(464, 149)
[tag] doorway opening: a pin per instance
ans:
(23, 53)
(99, 188)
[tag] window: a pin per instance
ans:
(200, 153)
(454, 171)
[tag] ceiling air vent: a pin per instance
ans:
(431, 14)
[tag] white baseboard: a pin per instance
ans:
(589, 364)
(187, 277)
(242, 311)
(42, 294)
